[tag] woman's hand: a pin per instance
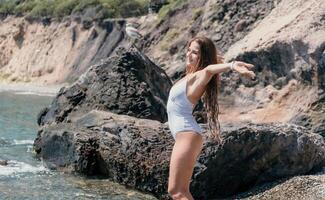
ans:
(243, 68)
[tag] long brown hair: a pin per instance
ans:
(208, 55)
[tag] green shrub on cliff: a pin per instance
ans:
(25, 7)
(125, 8)
(61, 8)
(7, 7)
(43, 8)
(83, 4)
(64, 8)
(167, 9)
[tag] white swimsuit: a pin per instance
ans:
(179, 110)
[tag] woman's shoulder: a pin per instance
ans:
(200, 77)
(197, 75)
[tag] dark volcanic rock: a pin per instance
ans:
(253, 154)
(136, 152)
(127, 83)
(127, 150)
(3, 162)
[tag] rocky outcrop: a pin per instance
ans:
(136, 152)
(127, 83)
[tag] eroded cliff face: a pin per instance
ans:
(52, 53)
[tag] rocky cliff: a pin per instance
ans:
(48, 53)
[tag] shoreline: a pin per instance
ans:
(30, 88)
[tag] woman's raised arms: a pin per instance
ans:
(241, 67)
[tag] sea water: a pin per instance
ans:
(25, 177)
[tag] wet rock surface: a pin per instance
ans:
(3, 162)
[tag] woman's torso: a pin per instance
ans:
(193, 88)
(178, 102)
(180, 108)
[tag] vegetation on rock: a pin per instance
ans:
(60, 8)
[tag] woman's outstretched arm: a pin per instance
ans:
(238, 66)
(202, 77)
(218, 68)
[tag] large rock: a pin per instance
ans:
(136, 152)
(127, 83)
(130, 151)
(253, 154)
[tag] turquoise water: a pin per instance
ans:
(25, 177)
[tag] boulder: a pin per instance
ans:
(136, 152)
(126, 83)
(127, 150)
(256, 153)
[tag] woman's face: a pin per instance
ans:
(192, 54)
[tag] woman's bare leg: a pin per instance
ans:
(187, 147)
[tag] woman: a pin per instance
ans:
(202, 80)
